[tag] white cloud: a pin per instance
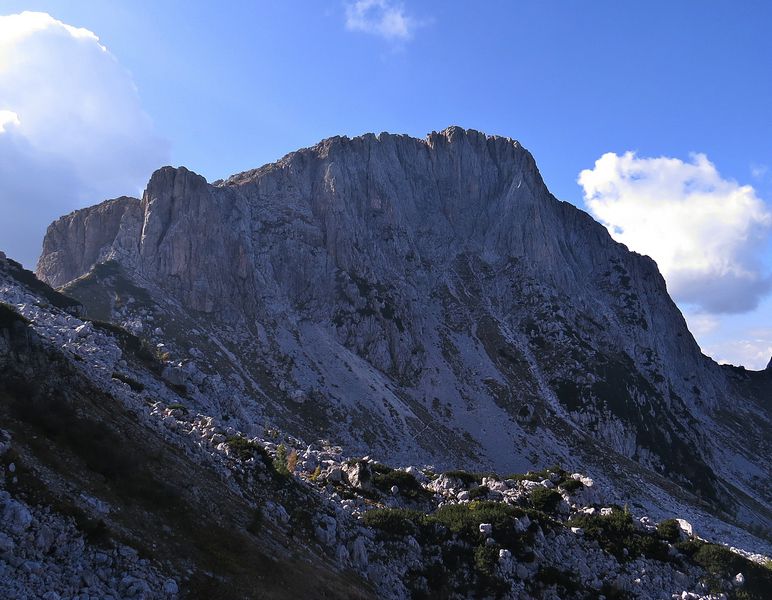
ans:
(701, 324)
(8, 118)
(384, 18)
(72, 130)
(705, 232)
(752, 351)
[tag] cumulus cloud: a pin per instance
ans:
(72, 130)
(706, 233)
(384, 18)
(701, 324)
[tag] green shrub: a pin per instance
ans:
(669, 530)
(255, 525)
(649, 546)
(479, 492)
(486, 558)
(280, 461)
(378, 468)
(243, 448)
(616, 533)
(464, 520)
(396, 522)
(571, 485)
(723, 563)
(540, 475)
(545, 500)
(407, 484)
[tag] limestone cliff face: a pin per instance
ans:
(76, 242)
(426, 295)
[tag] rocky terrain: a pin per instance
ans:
(116, 485)
(424, 302)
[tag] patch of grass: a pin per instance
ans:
(545, 500)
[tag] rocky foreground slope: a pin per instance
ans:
(115, 485)
(424, 301)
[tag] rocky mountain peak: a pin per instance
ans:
(419, 298)
(75, 242)
(177, 179)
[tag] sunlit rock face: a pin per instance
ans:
(421, 300)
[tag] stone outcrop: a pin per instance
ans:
(83, 238)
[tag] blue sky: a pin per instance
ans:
(230, 86)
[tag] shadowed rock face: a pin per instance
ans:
(77, 241)
(426, 300)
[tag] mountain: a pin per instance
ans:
(425, 302)
(115, 486)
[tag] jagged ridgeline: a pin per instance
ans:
(426, 302)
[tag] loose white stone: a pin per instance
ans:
(686, 527)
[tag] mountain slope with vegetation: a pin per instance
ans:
(116, 485)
